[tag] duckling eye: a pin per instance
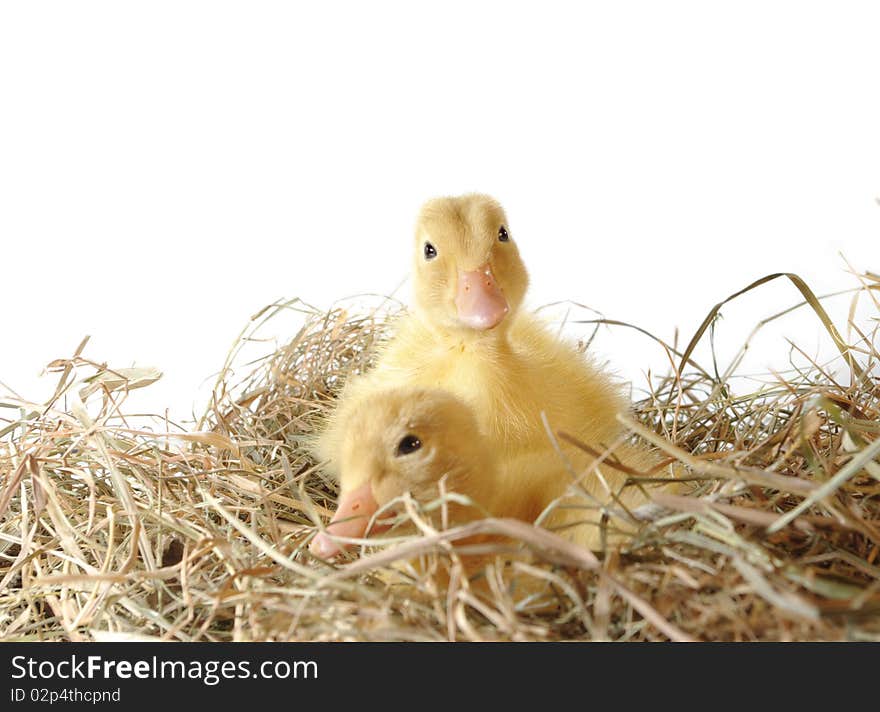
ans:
(430, 251)
(408, 444)
(502, 234)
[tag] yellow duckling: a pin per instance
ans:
(407, 440)
(398, 441)
(467, 334)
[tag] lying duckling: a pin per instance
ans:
(407, 440)
(400, 441)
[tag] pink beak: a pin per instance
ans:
(351, 519)
(480, 302)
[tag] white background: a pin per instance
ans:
(167, 168)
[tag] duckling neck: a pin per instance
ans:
(496, 339)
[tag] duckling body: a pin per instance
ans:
(509, 378)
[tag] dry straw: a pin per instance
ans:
(113, 527)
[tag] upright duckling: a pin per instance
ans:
(398, 441)
(467, 334)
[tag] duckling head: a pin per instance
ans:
(468, 271)
(400, 441)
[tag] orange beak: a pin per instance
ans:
(480, 303)
(352, 517)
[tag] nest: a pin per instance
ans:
(121, 527)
